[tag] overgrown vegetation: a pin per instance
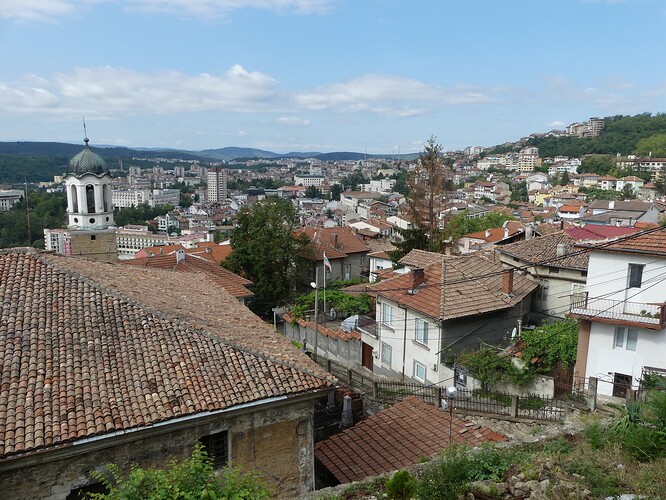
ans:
(194, 478)
(542, 350)
(342, 302)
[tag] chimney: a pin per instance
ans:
(180, 255)
(506, 232)
(529, 232)
(334, 240)
(487, 233)
(209, 250)
(611, 204)
(347, 419)
(561, 249)
(418, 278)
(507, 282)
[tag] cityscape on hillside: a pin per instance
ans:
(332, 250)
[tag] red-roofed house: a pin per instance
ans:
(444, 304)
(510, 232)
(622, 312)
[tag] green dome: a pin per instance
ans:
(87, 162)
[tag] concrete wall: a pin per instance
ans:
(346, 352)
(276, 442)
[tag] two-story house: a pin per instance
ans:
(346, 254)
(622, 331)
(443, 305)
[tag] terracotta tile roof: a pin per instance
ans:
(395, 438)
(649, 242)
(198, 263)
(544, 248)
(420, 258)
(86, 349)
(598, 232)
(455, 287)
(633, 205)
(338, 242)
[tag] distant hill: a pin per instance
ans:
(231, 153)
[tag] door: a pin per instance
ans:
(366, 355)
(621, 383)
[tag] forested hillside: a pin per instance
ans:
(621, 134)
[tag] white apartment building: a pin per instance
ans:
(308, 180)
(217, 184)
(8, 198)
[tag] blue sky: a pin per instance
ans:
(379, 76)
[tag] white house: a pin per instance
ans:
(622, 331)
(443, 305)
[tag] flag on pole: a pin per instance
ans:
(327, 264)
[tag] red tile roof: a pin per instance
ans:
(648, 242)
(338, 242)
(598, 232)
(543, 249)
(455, 287)
(198, 263)
(88, 348)
(395, 438)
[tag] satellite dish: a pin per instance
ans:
(514, 332)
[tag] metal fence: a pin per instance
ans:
(495, 403)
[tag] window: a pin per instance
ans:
(387, 353)
(217, 447)
(542, 291)
(635, 275)
(554, 270)
(419, 371)
(626, 338)
(362, 260)
(387, 315)
(421, 331)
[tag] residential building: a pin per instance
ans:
(131, 365)
(132, 238)
(308, 180)
(347, 254)
(622, 332)
(216, 180)
(444, 304)
(9, 198)
(552, 261)
(510, 232)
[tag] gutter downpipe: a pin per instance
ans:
(404, 347)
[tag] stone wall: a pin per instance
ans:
(94, 245)
(277, 442)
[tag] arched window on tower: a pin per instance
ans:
(75, 199)
(105, 197)
(90, 198)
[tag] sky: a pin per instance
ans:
(375, 76)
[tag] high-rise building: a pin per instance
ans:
(217, 184)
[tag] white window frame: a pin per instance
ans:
(387, 314)
(421, 335)
(386, 353)
(625, 338)
(418, 366)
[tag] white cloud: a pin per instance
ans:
(109, 92)
(36, 10)
(293, 120)
(386, 95)
(221, 7)
(48, 10)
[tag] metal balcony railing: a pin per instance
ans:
(641, 314)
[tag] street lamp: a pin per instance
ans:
(451, 393)
(315, 285)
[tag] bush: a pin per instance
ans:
(595, 435)
(447, 479)
(401, 486)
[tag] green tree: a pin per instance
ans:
(551, 343)
(336, 189)
(596, 164)
(460, 225)
(654, 145)
(47, 211)
(267, 251)
(140, 214)
(312, 192)
(194, 478)
(412, 238)
(427, 186)
(628, 192)
(564, 179)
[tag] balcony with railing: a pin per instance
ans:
(639, 314)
